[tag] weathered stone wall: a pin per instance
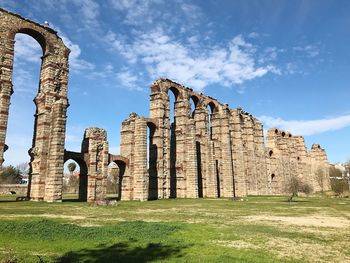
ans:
(93, 161)
(213, 151)
(51, 103)
(287, 156)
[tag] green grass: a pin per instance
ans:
(258, 229)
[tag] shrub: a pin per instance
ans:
(339, 186)
(295, 185)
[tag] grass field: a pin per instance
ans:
(257, 229)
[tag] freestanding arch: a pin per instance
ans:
(47, 152)
(83, 177)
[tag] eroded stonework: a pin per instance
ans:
(212, 151)
(51, 103)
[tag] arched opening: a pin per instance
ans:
(283, 134)
(25, 76)
(211, 108)
(75, 180)
(173, 95)
(152, 156)
(193, 102)
(199, 169)
(272, 177)
(270, 153)
(116, 170)
(276, 131)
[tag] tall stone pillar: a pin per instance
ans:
(127, 140)
(261, 173)
(159, 112)
(181, 110)
(226, 156)
(201, 138)
(211, 171)
(240, 180)
(140, 161)
(95, 147)
(6, 65)
(215, 137)
(53, 185)
(250, 156)
(191, 162)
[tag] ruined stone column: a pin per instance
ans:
(212, 180)
(95, 147)
(140, 161)
(201, 138)
(216, 139)
(127, 140)
(53, 185)
(191, 162)
(261, 177)
(159, 103)
(250, 155)
(6, 65)
(226, 155)
(240, 181)
(181, 118)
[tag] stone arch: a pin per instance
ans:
(194, 100)
(83, 177)
(176, 91)
(214, 107)
(123, 164)
(39, 37)
(51, 103)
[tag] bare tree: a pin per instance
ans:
(295, 185)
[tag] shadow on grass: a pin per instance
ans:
(296, 201)
(72, 200)
(122, 252)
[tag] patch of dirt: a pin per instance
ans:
(240, 244)
(306, 220)
(298, 249)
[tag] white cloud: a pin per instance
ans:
(75, 62)
(197, 67)
(137, 12)
(128, 79)
(169, 15)
(307, 127)
(27, 49)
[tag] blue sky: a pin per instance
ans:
(286, 62)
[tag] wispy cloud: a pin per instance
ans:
(310, 50)
(164, 56)
(308, 127)
(175, 16)
(27, 49)
(128, 79)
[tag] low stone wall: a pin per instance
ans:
(20, 189)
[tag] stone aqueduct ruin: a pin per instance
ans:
(211, 151)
